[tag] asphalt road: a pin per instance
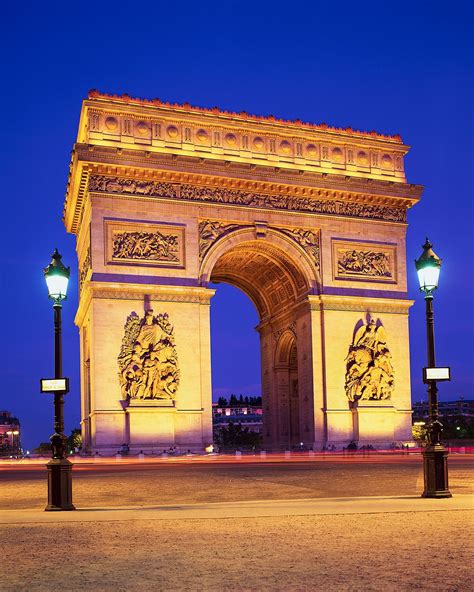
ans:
(130, 482)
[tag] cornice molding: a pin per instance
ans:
(138, 158)
(141, 164)
(129, 291)
(357, 304)
(120, 102)
(128, 125)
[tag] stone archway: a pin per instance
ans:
(309, 221)
(277, 277)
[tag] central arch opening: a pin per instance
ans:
(264, 273)
(236, 374)
(276, 285)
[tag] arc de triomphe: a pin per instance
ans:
(308, 220)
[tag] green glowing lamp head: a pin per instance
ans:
(428, 267)
(57, 278)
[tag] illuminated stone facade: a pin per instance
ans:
(308, 220)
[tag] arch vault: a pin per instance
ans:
(308, 221)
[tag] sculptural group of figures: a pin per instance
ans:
(148, 361)
(369, 370)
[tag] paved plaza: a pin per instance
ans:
(305, 523)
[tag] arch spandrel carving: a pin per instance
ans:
(211, 231)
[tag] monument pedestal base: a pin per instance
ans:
(373, 423)
(150, 427)
(149, 403)
(339, 427)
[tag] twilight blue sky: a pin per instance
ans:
(398, 67)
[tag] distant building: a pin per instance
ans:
(446, 408)
(10, 441)
(249, 416)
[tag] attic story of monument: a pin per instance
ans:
(308, 221)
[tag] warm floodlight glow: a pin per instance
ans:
(428, 267)
(57, 278)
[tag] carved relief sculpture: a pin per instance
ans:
(366, 262)
(145, 245)
(210, 231)
(148, 362)
(369, 370)
(307, 239)
(101, 183)
(291, 327)
(85, 267)
(372, 263)
(136, 243)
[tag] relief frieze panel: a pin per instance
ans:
(115, 185)
(151, 246)
(105, 184)
(129, 242)
(368, 262)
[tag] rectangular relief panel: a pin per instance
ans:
(144, 243)
(364, 261)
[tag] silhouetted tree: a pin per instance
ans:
(74, 440)
(235, 436)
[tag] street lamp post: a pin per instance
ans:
(435, 455)
(59, 467)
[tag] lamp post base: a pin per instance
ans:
(59, 485)
(435, 470)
